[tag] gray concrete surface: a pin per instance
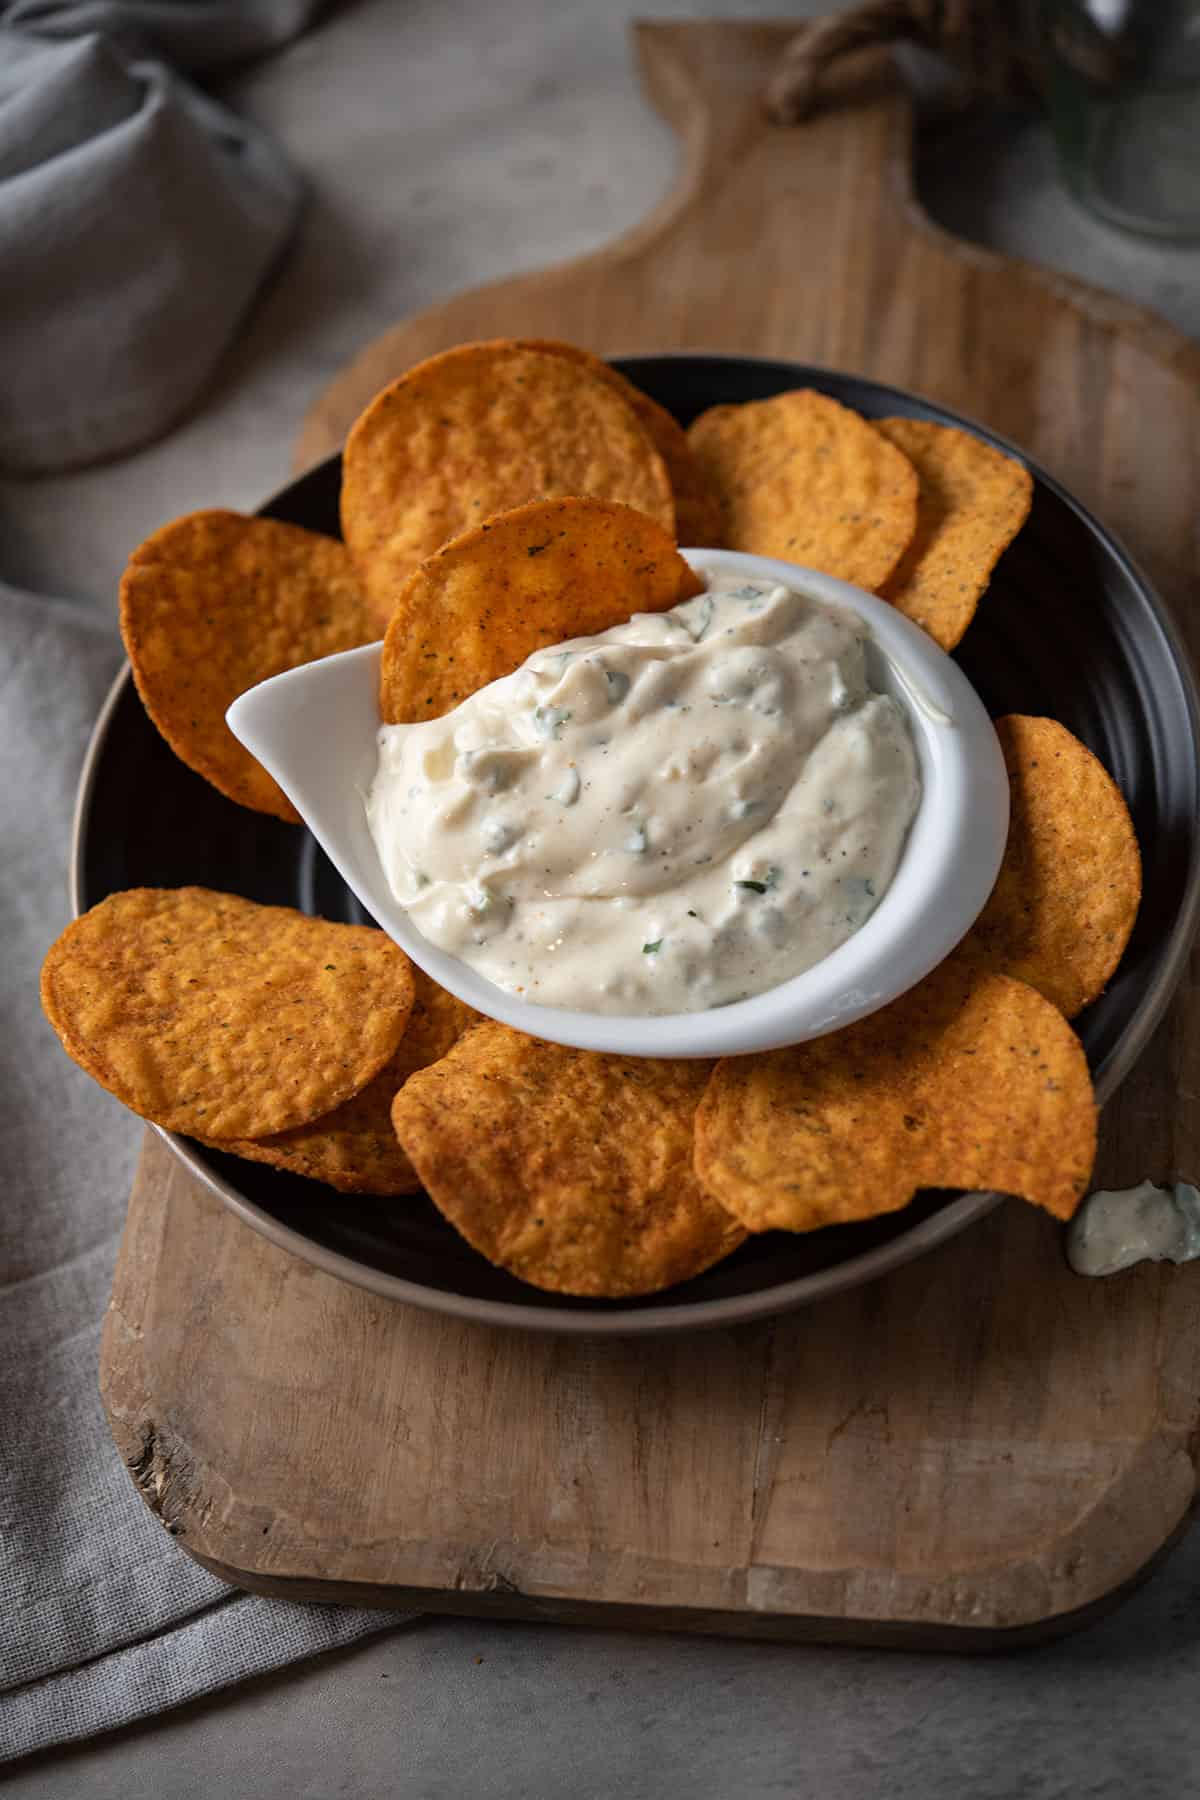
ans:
(447, 143)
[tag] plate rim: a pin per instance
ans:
(782, 1297)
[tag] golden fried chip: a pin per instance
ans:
(528, 578)
(354, 1147)
(212, 1015)
(571, 1170)
(972, 502)
(803, 478)
(1067, 895)
(961, 1083)
(476, 431)
(216, 602)
(697, 509)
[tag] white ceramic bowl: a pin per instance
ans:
(314, 728)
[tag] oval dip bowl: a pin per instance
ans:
(315, 730)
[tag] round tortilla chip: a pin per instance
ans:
(971, 503)
(354, 1148)
(961, 1083)
(212, 1015)
(803, 478)
(697, 509)
(216, 602)
(569, 1169)
(520, 582)
(476, 431)
(1065, 900)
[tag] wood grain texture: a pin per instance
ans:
(979, 1448)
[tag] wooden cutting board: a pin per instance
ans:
(981, 1448)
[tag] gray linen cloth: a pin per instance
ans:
(103, 1619)
(137, 216)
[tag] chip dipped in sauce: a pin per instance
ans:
(678, 813)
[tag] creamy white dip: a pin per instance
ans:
(673, 815)
(1117, 1227)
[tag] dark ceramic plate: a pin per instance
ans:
(1069, 628)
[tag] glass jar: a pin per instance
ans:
(1123, 85)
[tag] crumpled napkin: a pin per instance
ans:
(137, 216)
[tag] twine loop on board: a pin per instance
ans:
(988, 42)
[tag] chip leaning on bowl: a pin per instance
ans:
(318, 1048)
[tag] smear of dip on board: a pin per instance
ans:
(1118, 1227)
(673, 815)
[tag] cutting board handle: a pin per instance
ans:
(711, 82)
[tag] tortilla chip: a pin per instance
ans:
(697, 509)
(571, 1170)
(972, 502)
(216, 602)
(476, 431)
(354, 1148)
(803, 478)
(1067, 895)
(524, 580)
(211, 1015)
(961, 1083)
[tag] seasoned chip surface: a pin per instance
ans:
(571, 1170)
(477, 431)
(958, 1084)
(697, 509)
(971, 503)
(526, 579)
(216, 602)
(1067, 895)
(803, 478)
(215, 1016)
(354, 1147)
